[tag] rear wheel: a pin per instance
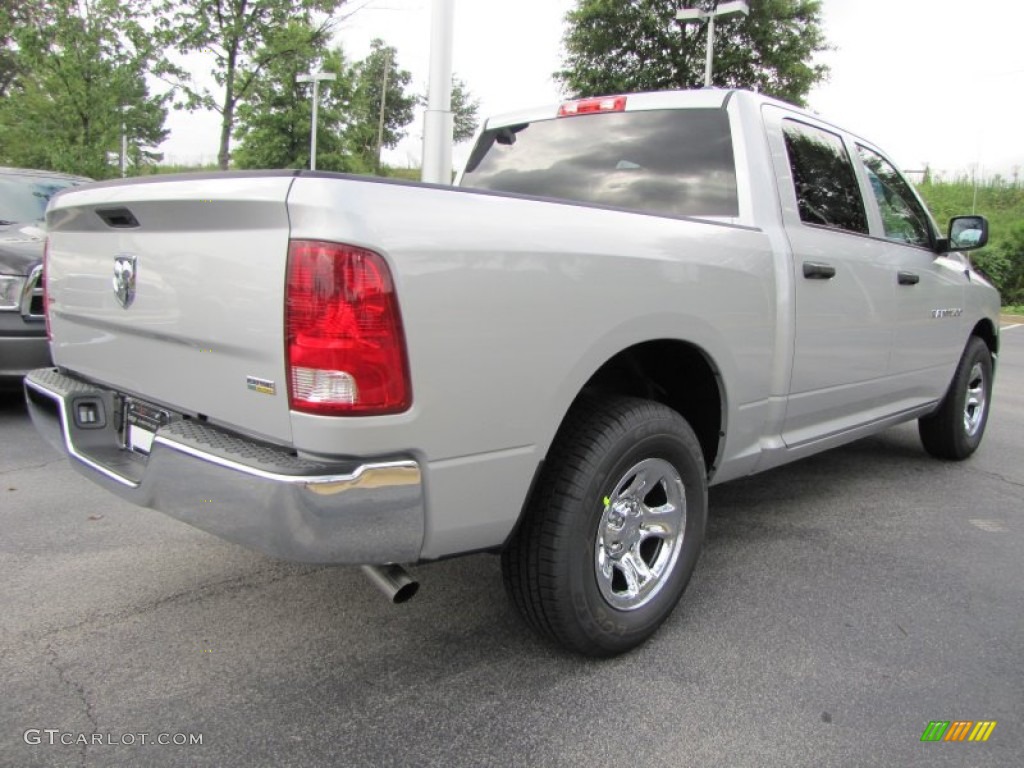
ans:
(614, 528)
(954, 431)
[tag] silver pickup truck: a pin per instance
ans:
(622, 301)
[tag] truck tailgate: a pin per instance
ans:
(201, 328)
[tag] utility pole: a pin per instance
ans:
(380, 122)
(689, 15)
(315, 78)
(124, 146)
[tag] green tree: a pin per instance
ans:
(273, 124)
(11, 15)
(244, 39)
(79, 72)
(624, 46)
(380, 67)
(1002, 202)
(465, 109)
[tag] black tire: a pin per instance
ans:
(955, 429)
(559, 568)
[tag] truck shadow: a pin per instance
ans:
(880, 460)
(12, 399)
(802, 503)
(817, 503)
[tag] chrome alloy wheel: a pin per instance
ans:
(640, 534)
(975, 402)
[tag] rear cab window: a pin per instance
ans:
(676, 162)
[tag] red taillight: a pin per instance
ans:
(46, 288)
(343, 332)
(588, 106)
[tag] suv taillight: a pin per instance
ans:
(343, 332)
(46, 288)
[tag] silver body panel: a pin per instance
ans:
(208, 309)
(509, 306)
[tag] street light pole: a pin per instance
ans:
(438, 122)
(315, 78)
(697, 15)
(708, 61)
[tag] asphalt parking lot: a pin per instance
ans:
(842, 603)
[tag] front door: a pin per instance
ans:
(928, 330)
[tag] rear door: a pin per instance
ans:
(844, 289)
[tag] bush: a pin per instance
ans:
(1002, 203)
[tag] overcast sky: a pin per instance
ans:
(930, 81)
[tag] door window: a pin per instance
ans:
(827, 193)
(903, 216)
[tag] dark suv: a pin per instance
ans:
(23, 198)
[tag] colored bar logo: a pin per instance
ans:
(958, 730)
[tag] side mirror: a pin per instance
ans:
(966, 233)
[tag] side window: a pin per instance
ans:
(827, 193)
(903, 217)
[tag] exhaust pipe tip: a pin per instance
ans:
(393, 580)
(406, 592)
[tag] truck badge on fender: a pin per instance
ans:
(124, 279)
(954, 312)
(263, 386)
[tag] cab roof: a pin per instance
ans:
(702, 98)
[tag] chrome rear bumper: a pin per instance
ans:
(254, 494)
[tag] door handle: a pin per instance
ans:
(908, 278)
(814, 270)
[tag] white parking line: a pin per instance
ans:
(1010, 327)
